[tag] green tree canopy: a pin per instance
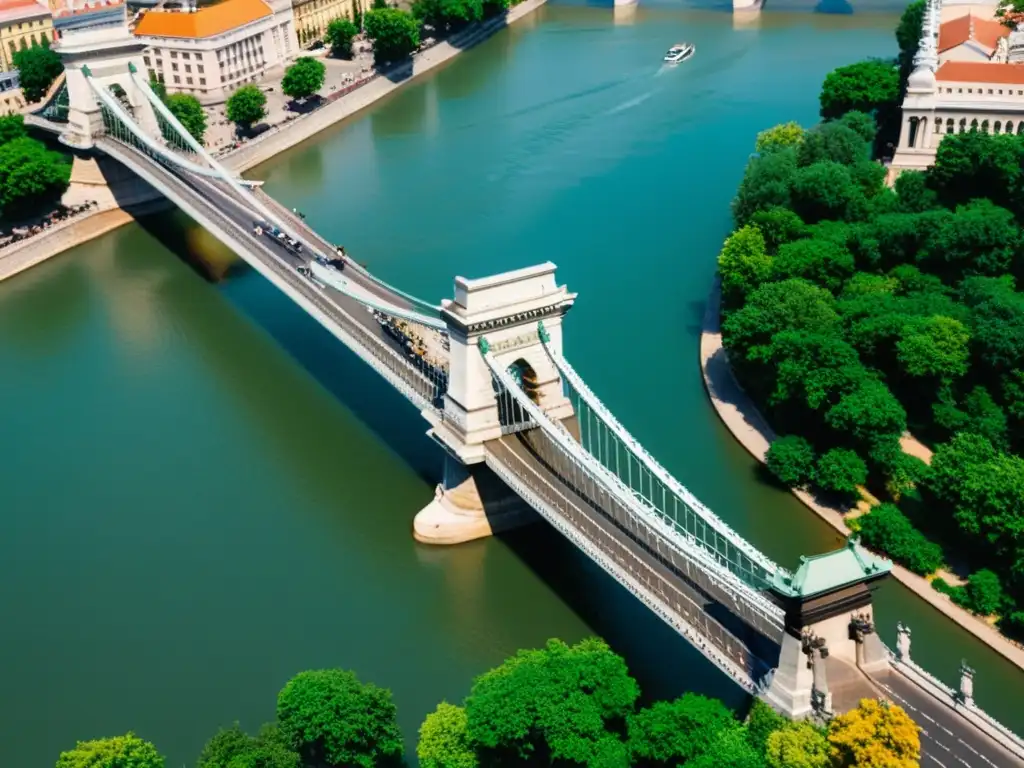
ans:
(869, 414)
(552, 703)
(913, 194)
(340, 34)
(985, 592)
(762, 722)
(779, 137)
(38, 67)
(247, 105)
(730, 748)
(887, 530)
(840, 470)
(798, 745)
(304, 78)
(791, 459)
(670, 733)
(224, 746)
(824, 190)
(189, 112)
(766, 184)
(814, 369)
(394, 33)
(934, 347)
(833, 141)
(448, 14)
(128, 751)
(743, 263)
(975, 164)
(866, 86)
(817, 261)
(333, 719)
(779, 226)
(12, 127)
(862, 123)
(444, 742)
(908, 37)
(30, 176)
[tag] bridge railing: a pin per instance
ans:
(601, 485)
(604, 438)
(587, 534)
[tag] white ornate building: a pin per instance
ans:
(960, 91)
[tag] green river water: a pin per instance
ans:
(204, 493)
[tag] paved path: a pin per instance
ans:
(739, 414)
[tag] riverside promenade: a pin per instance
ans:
(48, 244)
(741, 417)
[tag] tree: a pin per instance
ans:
(224, 746)
(976, 164)
(817, 261)
(38, 67)
(985, 592)
(671, 733)
(331, 718)
(824, 190)
(934, 347)
(394, 33)
(869, 413)
(443, 15)
(908, 37)
(876, 734)
(774, 307)
(791, 459)
(814, 369)
(247, 105)
(159, 89)
(766, 184)
(304, 78)
(189, 112)
(743, 263)
(866, 86)
(340, 34)
(30, 175)
(779, 137)
(762, 722)
(779, 226)
(840, 470)
(444, 742)
(833, 141)
(913, 195)
(128, 751)
(798, 745)
(12, 127)
(888, 530)
(862, 124)
(731, 749)
(552, 703)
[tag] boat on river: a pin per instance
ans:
(680, 52)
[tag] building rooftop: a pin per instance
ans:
(986, 72)
(834, 570)
(985, 32)
(206, 22)
(17, 10)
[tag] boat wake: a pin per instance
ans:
(635, 102)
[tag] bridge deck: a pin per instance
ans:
(642, 566)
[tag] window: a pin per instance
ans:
(174, 67)
(188, 67)
(184, 55)
(188, 80)
(202, 81)
(177, 79)
(174, 54)
(200, 68)
(146, 60)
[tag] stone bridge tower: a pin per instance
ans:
(96, 39)
(505, 310)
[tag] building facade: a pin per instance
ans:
(313, 16)
(959, 94)
(23, 23)
(211, 52)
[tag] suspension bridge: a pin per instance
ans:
(524, 435)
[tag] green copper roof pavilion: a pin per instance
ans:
(833, 570)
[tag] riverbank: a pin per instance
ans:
(741, 417)
(36, 250)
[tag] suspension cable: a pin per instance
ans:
(646, 459)
(684, 542)
(337, 282)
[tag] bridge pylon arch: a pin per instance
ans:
(96, 42)
(504, 310)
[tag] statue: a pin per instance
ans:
(966, 695)
(1002, 53)
(903, 642)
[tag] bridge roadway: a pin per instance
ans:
(531, 465)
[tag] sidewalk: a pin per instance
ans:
(741, 417)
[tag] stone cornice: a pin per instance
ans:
(519, 318)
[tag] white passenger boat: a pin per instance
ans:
(680, 52)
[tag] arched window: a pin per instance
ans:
(974, 124)
(1009, 127)
(963, 124)
(997, 127)
(950, 127)
(912, 132)
(938, 125)
(984, 126)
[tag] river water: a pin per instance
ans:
(204, 493)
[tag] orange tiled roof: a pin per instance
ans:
(981, 72)
(963, 28)
(206, 22)
(13, 10)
